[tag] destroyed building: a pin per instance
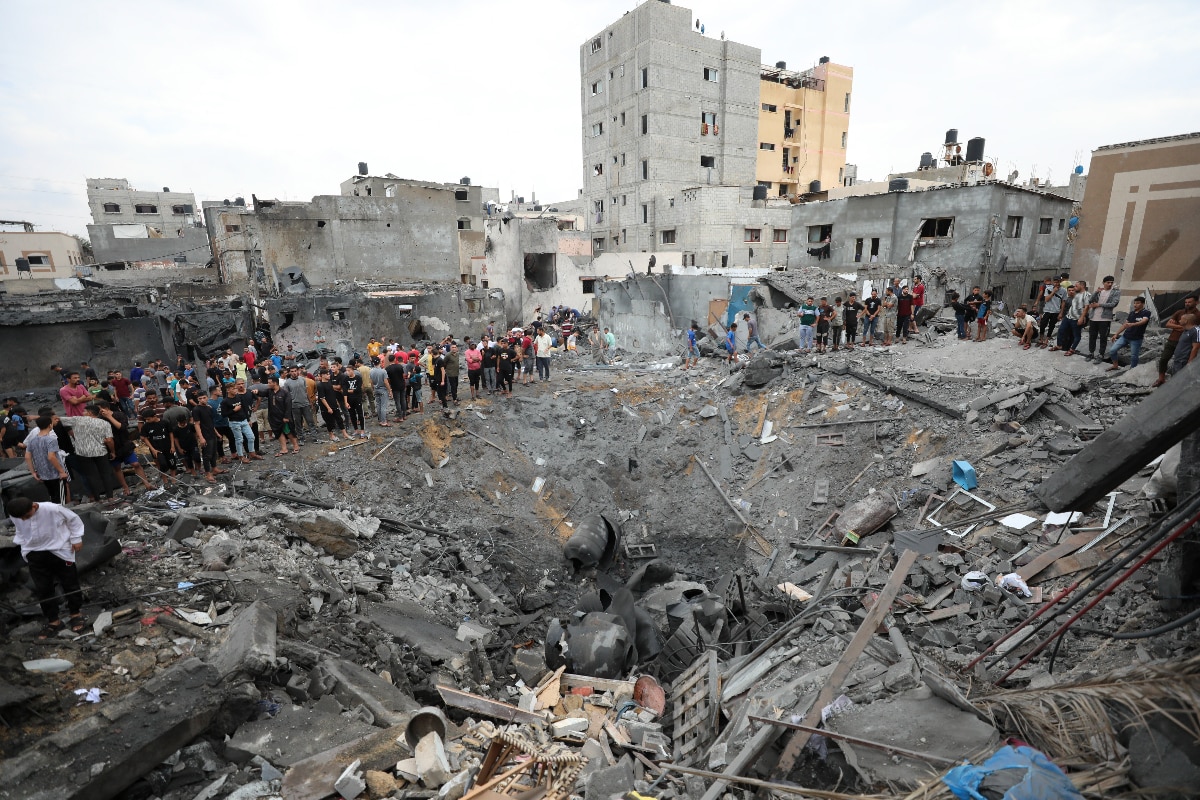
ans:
(993, 234)
(1138, 217)
(144, 229)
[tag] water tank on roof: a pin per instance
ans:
(952, 136)
(975, 149)
(166, 188)
(823, 60)
(362, 168)
(898, 185)
(1079, 170)
(926, 160)
(465, 181)
(780, 65)
(760, 193)
(814, 187)
(239, 201)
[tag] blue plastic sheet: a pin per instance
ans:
(1043, 780)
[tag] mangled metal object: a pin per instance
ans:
(595, 543)
(606, 636)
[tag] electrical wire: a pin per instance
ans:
(1166, 627)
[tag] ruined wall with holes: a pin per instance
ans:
(347, 320)
(105, 344)
(980, 249)
(509, 242)
(649, 313)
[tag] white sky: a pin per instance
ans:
(284, 98)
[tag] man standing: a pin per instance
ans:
(398, 386)
(124, 389)
(281, 417)
(1052, 296)
(752, 333)
(135, 374)
(94, 450)
(872, 306)
(489, 364)
(75, 396)
(889, 315)
(1176, 326)
(541, 353)
(1073, 309)
(853, 310)
(368, 388)
(330, 405)
(452, 370)
(49, 536)
(731, 342)
(918, 294)
(44, 459)
(380, 389)
(236, 409)
(808, 318)
(1100, 315)
(837, 322)
(904, 310)
(1132, 331)
(610, 346)
(302, 413)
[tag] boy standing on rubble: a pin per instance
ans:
(49, 536)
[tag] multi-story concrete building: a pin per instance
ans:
(667, 109)
(996, 235)
(1139, 217)
(37, 254)
(145, 229)
(803, 127)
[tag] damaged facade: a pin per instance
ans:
(995, 235)
(143, 229)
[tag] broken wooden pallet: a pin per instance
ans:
(694, 709)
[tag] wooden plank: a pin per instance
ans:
(762, 419)
(946, 613)
(846, 663)
(482, 705)
(1075, 563)
(603, 684)
(1068, 546)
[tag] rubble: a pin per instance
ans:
(374, 624)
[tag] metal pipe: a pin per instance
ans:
(887, 748)
(1182, 529)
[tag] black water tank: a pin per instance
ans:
(362, 168)
(975, 149)
(814, 187)
(166, 188)
(952, 136)
(824, 60)
(464, 181)
(926, 160)
(239, 201)
(760, 193)
(780, 65)
(898, 185)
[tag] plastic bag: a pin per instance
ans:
(974, 581)
(1042, 779)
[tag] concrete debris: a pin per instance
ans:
(686, 579)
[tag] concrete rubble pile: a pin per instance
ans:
(689, 584)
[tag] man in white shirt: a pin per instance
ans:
(49, 535)
(541, 353)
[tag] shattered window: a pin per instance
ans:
(937, 228)
(668, 237)
(145, 208)
(111, 208)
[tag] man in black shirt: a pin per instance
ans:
(205, 423)
(236, 408)
(973, 302)
(437, 378)
(506, 364)
(281, 417)
(852, 309)
(330, 405)
(489, 366)
(158, 438)
(397, 380)
(350, 383)
(123, 447)
(871, 311)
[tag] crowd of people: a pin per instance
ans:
(1061, 303)
(231, 408)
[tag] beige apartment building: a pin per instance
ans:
(803, 127)
(49, 255)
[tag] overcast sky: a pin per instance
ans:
(282, 99)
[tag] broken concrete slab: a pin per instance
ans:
(313, 777)
(432, 765)
(184, 526)
(611, 781)
(293, 735)
(413, 625)
(334, 531)
(357, 685)
(126, 738)
(250, 643)
(915, 720)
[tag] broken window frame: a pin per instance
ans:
(821, 232)
(1012, 227)
(181, 208)
(712, 74)
(766, 145)
(597, 129)
(937, 228)
(597, 44)
(1045, 225)
(667, 236)
(958, 490)
(145, 208)
(597, 87)
(779, 235)
(708, 162)
(112, 208)
(541, 275)
(752, 235)
(770, 108)
(587, 285)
